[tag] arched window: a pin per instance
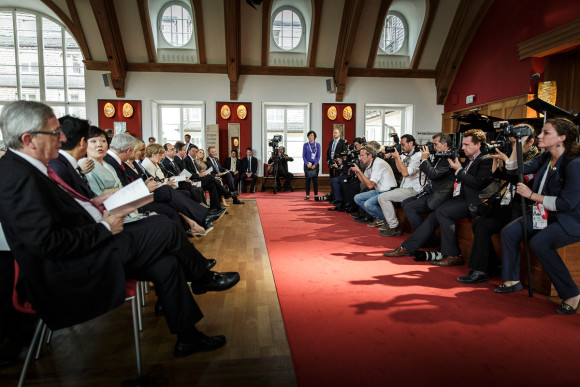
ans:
(41, 62)
(175, 24)
(394, 34)
(287, 28)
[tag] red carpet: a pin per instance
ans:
(356, 318)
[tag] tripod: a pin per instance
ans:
(520, 158)
(276, 160)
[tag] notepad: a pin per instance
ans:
(128, 198)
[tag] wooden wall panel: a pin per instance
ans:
(133, 123)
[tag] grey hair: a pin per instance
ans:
(21, 117)
(371, 150)
(122, 142)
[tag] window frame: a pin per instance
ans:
(302, 24)
(402, 50)
(307, 107)
(407, 112)
(66, 104)
(160, 17)
(158, 130)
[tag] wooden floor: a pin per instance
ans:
(101, 352)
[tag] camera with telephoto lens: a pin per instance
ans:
(502, 144)
(509, 130)
(452, 153)
(274, 143)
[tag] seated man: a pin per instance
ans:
(170, 168)
(234, 164)
(470, 179)
(378, 178)
(282, 170)
(75, 257)
(439, 184)
(217, 170)
(180, 154)
(410, 186)
(249, 169)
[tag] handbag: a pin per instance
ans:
(310, 173)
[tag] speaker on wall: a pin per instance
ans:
(330, 86)
(106, 79)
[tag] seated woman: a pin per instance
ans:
(154, 153)
(554, 221)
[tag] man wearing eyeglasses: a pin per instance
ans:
(74, 256)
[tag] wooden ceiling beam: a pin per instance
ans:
(430, 10)
(199, 30)
(315, 32)
(73, 25)
(391, 73)
(143, 6)
(465, 23)
(233, 43)
(266, 12)
(289, 71)
(106, 17)
(384, 8)
(351, 15)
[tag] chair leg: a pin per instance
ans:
(136, 313)
(137, 299)
(40, 342)
(39, 327)
(146, 286)
(142, 285)
(49, 336)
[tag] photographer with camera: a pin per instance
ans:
(344, 188)
(439, 184)
(471, 178)
(280, 169)
(498, 210)
(554, 221)
(336, 146)
(378, 178)
(410, 186)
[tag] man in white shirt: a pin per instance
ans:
(378, 178)
(408, 164)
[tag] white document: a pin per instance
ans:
(177, 179)
(185, 173)
(3, 243)
(209, 170)
(130, 197)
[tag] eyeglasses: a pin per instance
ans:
(57, 132)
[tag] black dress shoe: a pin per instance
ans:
(204, 343)
(503, 288)
(474, 277)
(159, 310)
(218, 282)
(210, 263)
(213, 218)
(237, 201)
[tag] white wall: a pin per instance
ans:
(258, 89)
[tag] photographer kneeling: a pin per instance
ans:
(554, 221)
(342, 173)
(280, 170)
(378, 177)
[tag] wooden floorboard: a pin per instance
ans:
(100, 352)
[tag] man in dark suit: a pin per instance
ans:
(170, 168)
(219, 171)
(234, 164)
(283, 172)
(439, 184)
(180, 154)
(335, 147)
(249, 169)
(73, 149)
(470, 180)
(208, 182)
(74, 257)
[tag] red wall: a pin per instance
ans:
(133, 122)
(327, 127)
(245, 128)
(491, 69)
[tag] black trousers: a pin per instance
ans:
(155, 249)
(179, 203)
(309, 179)
(252, 179)
(415, 208)
(483, 255)
(215, 189)
(287, 176)
(444, 216)
(8, 315)
(349, 190)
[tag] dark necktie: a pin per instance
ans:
(82, 175)
(174, 166)
(249, 164)
(56, 178)
(215, 165)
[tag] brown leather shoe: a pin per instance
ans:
(398, 252)
(449, 260)
(391, 232)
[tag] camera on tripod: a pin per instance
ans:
(274, 143)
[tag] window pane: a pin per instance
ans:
(78, 111)
(176, 25)
(287, 29)
(170, 124)
(393, 36)
(294, 144)
(59, 110)
(8, 93)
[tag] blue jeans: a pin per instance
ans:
(369, 201)
(335, 184)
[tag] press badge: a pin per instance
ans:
(507, 196)
(313, 155)
(539, 217)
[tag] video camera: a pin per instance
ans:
(274, 143)
(509, 130)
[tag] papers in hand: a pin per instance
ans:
(177, 179)
(129, 198)
(185, 173)
(209, 170)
